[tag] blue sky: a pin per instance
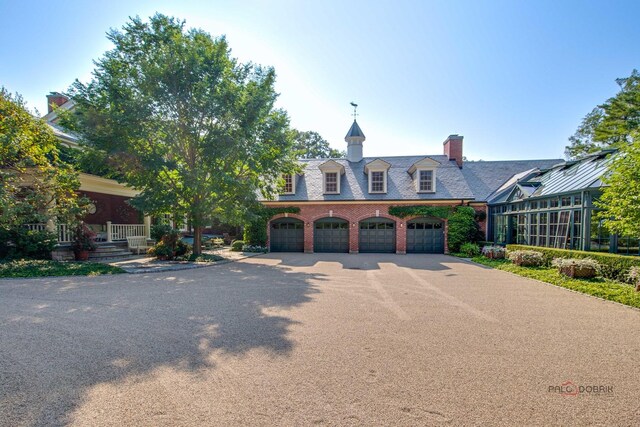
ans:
(514, 77)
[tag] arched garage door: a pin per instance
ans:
(331, 235)
(377, 235)
(287, 235)
(425, 236)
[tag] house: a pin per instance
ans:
(554, 207)
(344, 203)
(110, 216)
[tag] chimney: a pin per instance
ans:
(453, 148)
(55, 98)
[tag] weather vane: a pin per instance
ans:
(355, 107)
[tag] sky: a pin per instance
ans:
(515, 78)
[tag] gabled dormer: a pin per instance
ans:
(377, 174)
(289, 186)
(423, 173)
(331, 176)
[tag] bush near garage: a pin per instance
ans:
(237, 245)
(470, 250)
(612, 266)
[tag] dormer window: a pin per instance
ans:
(289, 184)
(377, 173)
(331, 173)
(331, 182)
(425, 180)
(423, 173)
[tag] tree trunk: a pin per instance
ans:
(197, 239)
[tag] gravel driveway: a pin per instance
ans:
(332, 339)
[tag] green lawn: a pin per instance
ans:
(599, 287)
(44, 268)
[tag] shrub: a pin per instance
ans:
(237, 245)
(254, 248)
(612, 266)
(159, 230)
(493, 252)
(526, 258)
(22, 243)
(463, 228)
(170, 246)
(577, 267)
(84, 239)
(634, 277)
(470, 249)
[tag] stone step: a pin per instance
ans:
(115, 254)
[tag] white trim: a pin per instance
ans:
(98, 184)
(384, 182)
(324, 182)
(433, 180)
(293, 184)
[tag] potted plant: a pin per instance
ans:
(634, 276)
(493, 252)
(84, 241)
(577, 268)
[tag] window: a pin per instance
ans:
(577, 200)
(565, 201)
(288, 184)
(331, 182)
(377, 182)
(553, 203)
(425, 181)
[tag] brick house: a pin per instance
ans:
(344, 203)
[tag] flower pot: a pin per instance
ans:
(578, 272)
(81, 255)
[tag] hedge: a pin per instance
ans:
(613, 266)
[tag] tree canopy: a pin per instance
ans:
(610, 124)
(174, 115)
(310, 145)
(35, 185)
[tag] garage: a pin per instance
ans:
(425, 236)
(377, 235)
(331, 235)
(287, 235)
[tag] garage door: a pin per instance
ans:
(377, 235)
(331, 235)
(287, 235)
(425, 236)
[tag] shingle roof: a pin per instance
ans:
(476, 180)
(354, 131)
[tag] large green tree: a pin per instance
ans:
(311, 145)
(610, 124)
(620, 200)
(35, 185)
(174, 115)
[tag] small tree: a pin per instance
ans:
(177, 117)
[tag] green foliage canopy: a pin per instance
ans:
(310, 145)
(610, 124)
(174, 115)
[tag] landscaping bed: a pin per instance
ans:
(44, 268)
(600, 287)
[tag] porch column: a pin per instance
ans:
(147, 226)
(109, 232)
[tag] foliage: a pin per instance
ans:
(237, 245)
(200, 258)
(620, 199)
(599, 287)
(20, 242)
(310, 145)
(160, 230)
(470, 249)
(610, 124)
(577, 267)
(634, 277)
(254, 248)
(43, 268)
(176, 116)
(612, 266)
(494, 252)
(32, 175)
(526, 258)
(255, 231)
(463, 227)
(170, 246)
(84, 239)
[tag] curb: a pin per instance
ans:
(551, 284)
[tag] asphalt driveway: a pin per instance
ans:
(294, 339)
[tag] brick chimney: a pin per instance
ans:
(55, 98)
(453, 148)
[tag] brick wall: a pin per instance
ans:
(354, 213)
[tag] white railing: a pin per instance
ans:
(35, 227)
(122, 231)
(65, 233)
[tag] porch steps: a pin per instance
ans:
(109, 252)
